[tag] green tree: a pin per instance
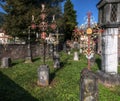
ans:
(1, 19)
(19, 14)
(69, 19)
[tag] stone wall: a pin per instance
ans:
(19, 51)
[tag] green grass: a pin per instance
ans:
(19, 83)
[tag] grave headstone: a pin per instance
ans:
(51, 50)
(88, 86)
(76, 56)
(64, 47)
(56, 60)
(28, 59)
(69, 53)
(43, 75)
(92, 61)
(81, 50)
(6, 62)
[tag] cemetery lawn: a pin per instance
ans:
(19, 82)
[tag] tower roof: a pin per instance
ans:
(104, 2)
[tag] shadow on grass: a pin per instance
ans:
(13, 63)
(10, 91)
(35, 59)
(53, 74)
(98, 61)
(62, 64)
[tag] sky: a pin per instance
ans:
(82, 7)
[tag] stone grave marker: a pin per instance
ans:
(88, 86)
(43, 75)
(6, 62)
(92, 60)
(76, 56)
(56, 60)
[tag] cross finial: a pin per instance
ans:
(89, 14)
(43, 7)
(53, 18)
(32, 17)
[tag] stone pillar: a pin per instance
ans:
(109, 19)
(119, 47)
(110, 50)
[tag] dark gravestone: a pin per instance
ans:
(92, 61)
(64, 47)
(56, 60)
(51, 50)
(88, 86)
(28, 59)
(6, 62)
(43, 75)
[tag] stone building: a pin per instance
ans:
(109, 19)
(4, 39)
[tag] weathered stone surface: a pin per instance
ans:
(92, 61)
(28, 60)
(56, 60)
(119, 46)
(106, 11)
(108, 79)
(76, 56)
(51, 50)
(6, 62)
(110, 21)
(110, 50)
(43, 75)
(20, 51)
(88, 86)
